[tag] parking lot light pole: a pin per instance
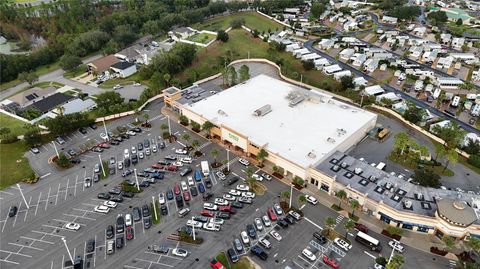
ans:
(101, 164)
(169, 128)
(68, 251)
(193, 229)
(106, 132)
(393, 250)
(56, 151)
(291, 194)
(154, 208)
(136, 179)
(23, 196)
(228, 160)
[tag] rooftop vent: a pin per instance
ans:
(335, 168)
(264, 110)
(341, 131)
(344, 165)
(222, 113)
(312, 155)
(426, 205)
(330, 140)
(363, 182)
(348, 175)
(373, 178)
(334, 161)
(419, 196)
(297, 100)
(407, 204)
(358, 171)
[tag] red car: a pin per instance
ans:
(226, 208)
(129, 232)
(176, 189)
(207, 213)
(271, 214)
(157, 166)
(216, 264)
(186, 196)
(172, 168)
(331, 262)
(361, 227)
(104, 145)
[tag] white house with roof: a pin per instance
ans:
(451, 83)
(445, 38)
(382, 56)
(310, 57)
(350, 25)
(445, 62)
(389, 96)
(326, 44)
(346, 54)
(343, 73)
(298, 53)
(468, 58)
(321, 63)
(476, 75)
(389, 20)
(374, 90)
(429, 56)
(292, 47)
(475, 111)
(419, 31)
(458, 42)
(440, 124)
(416, 52)
(371, 65)
(360, 81)
(359, 59)
(332, 69)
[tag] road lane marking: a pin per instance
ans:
(371, 255)
(313, 223)
(38, 203)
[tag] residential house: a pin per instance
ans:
(27, 97)
(298, 53)
(50, 102)
(103, 64)
(292, 47)
(124, 69)
(476, 75)
(429, 56)
(332, 69)
(371, 65)
(432, 47)
(458, 42)
(468, 58)
(389, 96)
(346, 54)
(419, 31)
(475, 111)
(77, 105)
(445, 38)
(360, 81)
(449, 83)
(182, 33)
(359, 59)
(344, 73)
(440, 124)
(374, 90)
(389, 20)
(321, 63)
(415, 52)
(350, 26)
(382, 56)
(445, 62)
(326, 44)
(371, 51)
(310, 56)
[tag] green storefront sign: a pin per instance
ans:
(232, 136)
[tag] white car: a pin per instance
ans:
(194, 223)
(131, 133)
(181, 151)
(184, 186)
(140, 155)
(134, 149)
(190, 181)
(378, 266)
(245, 238)
(248, 194)
(217, 221)
(186, 160)
(210, 206)
(117, 87)
(120, 165)
(128, 220)
(180, 252)
(229, 197)
(72, 226)
(396, 245)
(234, 192)
(275, 235)
(220, 175)
(110, 204)
(243, 161)
(210, 226)
(147, 151)
(154, 148)
(243, 187)
(102, 209)
(312, 200)
(342, 244)
(257, 177)
(87, 182)
(97, 168)
(161, 198)
(278, 209)
(309, 255)
(178, 164)
(266, 176)
(126, 154)
(258, 224)
(220, 201)
(266, 221)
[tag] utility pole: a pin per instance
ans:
(154, 207)
(193, 229)
(106, 132)
(23, 196)
(101, 164)
(56, 151)
(68, 251)
(136, 178)
(291, 194)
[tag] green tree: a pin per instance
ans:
(244, 73)
(396, 262)
(5, 132)
(31, 113)
(413, 113)
(437, 17)
(402, 140)
(302, 199)
(308, 65)
(207, 126)
(167, 78)
(69, 62)
(448, 241)
(232, 76)
(354, 204)
(222, 36)
(108, 101)
(330, 223)
(214, 154)
(146, 117)
(474, 244)
(163, 127)
(63, 161)
(342, 195)
(261, 155)
(251, 182)
(317, 9)
(186, 137)
(381, 260)
(393, 230)
(347, 82)
(183, 120)
(237, 23)
(349, 225)
(452, 158)
(29, 77)
(195, 144)
(285, 195)
(32, 136)
(459, 22)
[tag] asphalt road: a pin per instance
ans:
(467, 127)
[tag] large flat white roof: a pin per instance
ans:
(318, 125)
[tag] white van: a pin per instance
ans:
(110, 247)
(126, 154)
(182, 213)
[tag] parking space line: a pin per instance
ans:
(6, 192)
(39, 240)
(48, 198)
(25, 246)
(58, 191)
(76, 183)
(313, 223)
(56, 227)
(95, 251)
(66, 221)
(66, 190)
(369, 254)
(76, 216)
(14, 253)
(16, 215)
(84, 254)
(152, 262)
(38, 203)
(132, 267)
(51, 265)
(12, 262)
(6, 218)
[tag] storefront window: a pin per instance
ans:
(422, 229)
(325, 187)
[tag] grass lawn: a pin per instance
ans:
(76, 72)
(15, 126)
(15, 167)
(243, 263)
(203, 38)
(464, 162)
(42, 70)
(439, 170)
(253, 20)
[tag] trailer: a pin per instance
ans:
(205, 168)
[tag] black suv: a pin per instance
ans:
(260, 252)
(232, 180)
(282, 223)
(207, 196)
(179, 200)
(140, 146)
(146, 211)
(90, 246)
(251, 231)
(119, 241)
(120, 224)
(164, 210)
(320, 238)
(146, 143)
(110, 232)
(136, 214)
(104, 196)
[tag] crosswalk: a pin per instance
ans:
(229, 163)
(159, 116)
(204, 145)
(338, 220)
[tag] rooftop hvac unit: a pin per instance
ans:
(222, 113)
(330, 140)
(407, 204)
(358, 171)
(297, 100)
(264, 110)
(312, 155)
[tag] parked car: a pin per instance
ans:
(244, 161)
(109, 232)
(259, 252)
(180, 252)
(238, 245)
(342, 244)
(12, 212)
(320, 238)
(309, 254)
(396, 245)
(275, 235)
(312, 200)
(331, 262)
(232, 255)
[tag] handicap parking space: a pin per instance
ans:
(151, 259)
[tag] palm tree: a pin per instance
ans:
(195, 144)
(302, 199)
(401, 142)
(207, 126)
(354, 204)
(249, 171)
(341, 194)
(330, 223)
(167, 78)
(163, 127)
(146, 117)
(396, 262)
(186, 137)
(285, 195)
(452, 157)
(349, 225)
(261, 155)
(214, 153)
(251, 182)
(474, 244)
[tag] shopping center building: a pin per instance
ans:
(306, 133)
